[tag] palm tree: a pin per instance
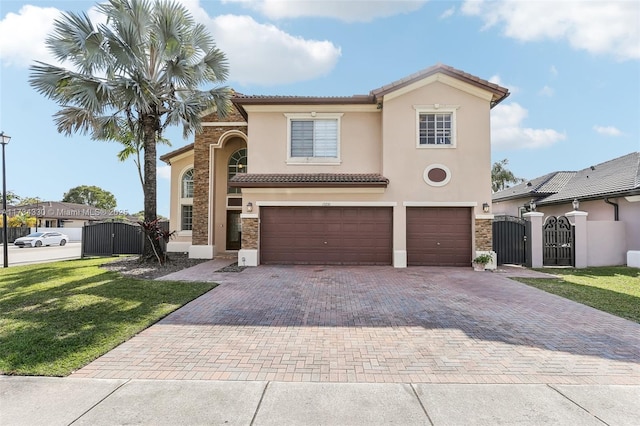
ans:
(140, 71)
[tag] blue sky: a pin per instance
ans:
(573, 69)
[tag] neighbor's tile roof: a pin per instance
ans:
(250, 180)
(618, 176)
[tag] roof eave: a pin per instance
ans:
(308, 184)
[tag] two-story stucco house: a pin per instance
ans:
(401, 176)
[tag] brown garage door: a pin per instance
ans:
(439, 236)
(326, 235)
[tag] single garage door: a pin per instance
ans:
(326, 235)
(439, 236)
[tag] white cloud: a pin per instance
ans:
(249, 45)
(495, 79)
(546, 91)
(252, 49)
(24, 34)
(344, 10)
(507, 131)
(164, 172)
(448, 13)
(607, 130)
(600, 27)
(553, 70)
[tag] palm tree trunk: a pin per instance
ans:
(152, 246)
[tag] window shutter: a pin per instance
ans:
(301, 138)
(326, 138)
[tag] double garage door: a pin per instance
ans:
(363, 235)
(326, 235)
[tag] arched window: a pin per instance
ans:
(237, 164)
(186, 201)
(187, 184)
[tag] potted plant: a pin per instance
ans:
(481, 261)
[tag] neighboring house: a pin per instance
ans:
(608, 192)
(56, 214)
(401, 176)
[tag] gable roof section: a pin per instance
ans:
(620, 176)
(169, 155)
(499, 93)
(308, 180)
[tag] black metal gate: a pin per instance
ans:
(558, 237)
(112, 238)
(510, 239)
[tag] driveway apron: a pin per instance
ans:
(378, 324)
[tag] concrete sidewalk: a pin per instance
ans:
(65, 401)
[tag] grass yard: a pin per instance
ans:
(611, 289)
(57, 317)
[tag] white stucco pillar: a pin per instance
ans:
(400, 236)
(579, 221)
(535, 243)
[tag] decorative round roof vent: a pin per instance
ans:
(437, 175)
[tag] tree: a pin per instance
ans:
(140, 71)
(24, 201)
(501, 177)
(12, 197)
(22, 219)
(91, 196)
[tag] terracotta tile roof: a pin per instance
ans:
(254, 180)
(620, 176)
(499, 92)
(169, 155)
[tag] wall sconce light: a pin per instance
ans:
(249, 206)
(485, 207)
(575, 204)
(532, 206)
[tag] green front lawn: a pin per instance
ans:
(57, 317)
(611, 289)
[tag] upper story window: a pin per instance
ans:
(436, 127)
(186, 202)
(237, 164)
(313, 138)
(187, 184)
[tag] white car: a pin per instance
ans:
(39, 239)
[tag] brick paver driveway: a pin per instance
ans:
(379, 324)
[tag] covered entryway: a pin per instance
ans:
(438, 236)
(326, 235)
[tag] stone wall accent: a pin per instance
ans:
(250, 232)
(484, 234)
(208, 136)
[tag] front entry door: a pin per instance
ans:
(234, 230)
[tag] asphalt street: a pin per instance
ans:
(27, 255)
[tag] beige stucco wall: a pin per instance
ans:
(606, 243)
(360, 143)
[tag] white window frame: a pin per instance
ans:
(436, 109)
(310, 117)
(184, 202)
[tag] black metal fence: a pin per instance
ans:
(558, 236)
(14, 233)
(113, 238)
(510, 240)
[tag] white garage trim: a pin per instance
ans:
(326, 203)
(440, 204)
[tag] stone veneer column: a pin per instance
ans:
(484, 238)
(201, 163)
(248, 254)
(484, 234)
